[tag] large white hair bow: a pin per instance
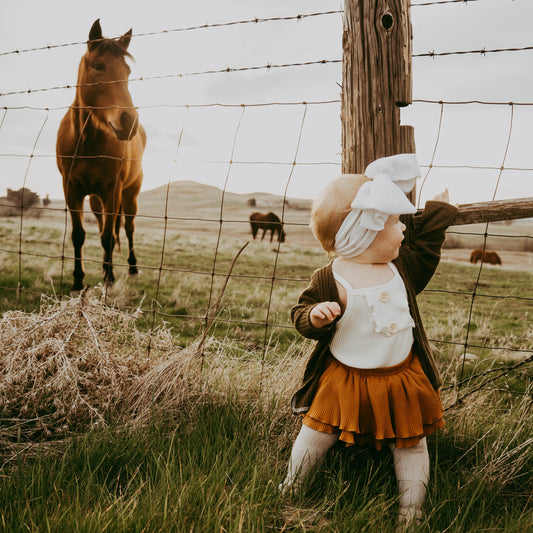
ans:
(377, 199)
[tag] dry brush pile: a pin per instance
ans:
(80, 363)
(66, 367)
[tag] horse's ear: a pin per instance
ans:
(95, 35)
(124, 41)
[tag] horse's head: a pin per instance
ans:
(103, 83)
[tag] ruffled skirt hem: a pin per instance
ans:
(379, 406)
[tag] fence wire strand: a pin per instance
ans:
(297, 18)
(480, 380)
(476, 285)
(30, 159)
(430, 166)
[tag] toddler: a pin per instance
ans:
(371, 377)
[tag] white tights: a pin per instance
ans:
(310, 445)
(412, 472)
(411, 466)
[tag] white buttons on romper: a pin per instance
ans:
(384, 297)
(393, 328)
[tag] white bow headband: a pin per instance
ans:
(384, 195)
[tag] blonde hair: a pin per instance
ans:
(331, 207)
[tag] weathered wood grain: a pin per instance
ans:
(377, 81)
(494, 211)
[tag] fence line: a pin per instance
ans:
(276, 257)
(221, 217)
(298, 18)
(160, 273)
(430, 166)
(260, 104)
(273, 279)
(439, 2)
(485, 245)
(206, 26)
(226, 70)
(482, 51)
(268, 66)
(22, 205)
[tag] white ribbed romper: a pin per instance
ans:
(376, 329)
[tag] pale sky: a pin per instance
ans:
(470, 135)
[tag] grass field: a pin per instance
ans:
(114, 420)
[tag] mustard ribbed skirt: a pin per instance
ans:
(395, 404)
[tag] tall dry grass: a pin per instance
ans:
(197, 438)
(80, 363)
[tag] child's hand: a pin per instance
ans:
(324, 313)
(444, 196)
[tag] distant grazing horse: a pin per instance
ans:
(270, 221)
(490, 257)
(99, 148)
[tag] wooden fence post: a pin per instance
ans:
(376, 81)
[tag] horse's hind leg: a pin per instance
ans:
(97, 209)
(129, 206)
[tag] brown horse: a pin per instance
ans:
(490, 257)
(99, 149)
(269, 221)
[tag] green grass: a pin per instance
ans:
(179, 293)
(213, 463)
(216, 468)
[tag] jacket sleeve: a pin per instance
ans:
(425, 235)
(310, 297)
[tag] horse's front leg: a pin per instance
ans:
(78, 239)
(107, 239)
(129, 206)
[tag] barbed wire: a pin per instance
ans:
(226, 70)
(471, 102)
(298, 18)
(207, 26)
(482, 51)
(274, 278)
(268, 66)
(439, 2)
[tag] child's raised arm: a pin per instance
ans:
(420, 252)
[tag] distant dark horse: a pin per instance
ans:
(490, 257)
(99, 149)
(268, 221)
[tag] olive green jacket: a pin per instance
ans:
(417, 261)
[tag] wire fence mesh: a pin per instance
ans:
(186, 246)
